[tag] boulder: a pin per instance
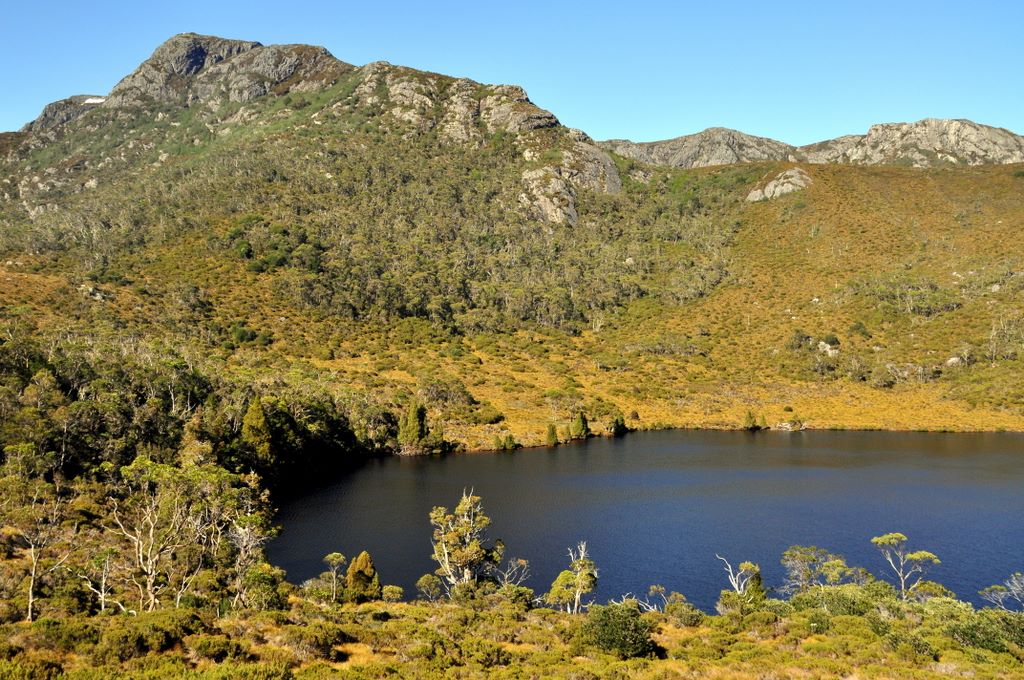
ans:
(784, 183)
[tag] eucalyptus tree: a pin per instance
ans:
(335, 561)
(34, 515)
(809, 566)
(461, 547)
(905, 563)
(573, 583)
(1008, 595)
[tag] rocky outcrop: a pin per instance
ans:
(784, 183)
(63, 111)
(549, 196)
(507, 108)
(460, 120)
(273, 69)
(463, 112)
(189, 68)
(714, 146)
(926, 143)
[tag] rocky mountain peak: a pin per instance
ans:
(927, 142)
(191, 67)
(63, 110)
(713, 146)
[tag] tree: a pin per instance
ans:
(429, 587)
(905, 564)
(361, 582)
(172, 523)
(256, 432)
(572, 584)
(579, 428)
(194, 450)
(250, 529)
(335, 561)
(461, 545)
(96, 572)
(810, 566)
(34, 514)
(412, 430)
(620, 629)
(552, 435)
(747, 589)
(1008, 595)
(392, 593)
(741, 579)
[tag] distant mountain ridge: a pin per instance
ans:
(925, 143)
(191, 69)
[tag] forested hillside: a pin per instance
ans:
(249, 267)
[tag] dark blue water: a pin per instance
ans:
(655, 507)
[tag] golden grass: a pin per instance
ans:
(794, 264)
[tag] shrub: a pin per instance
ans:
(149, 632)
(62, 635)
(314, 640)
(819, 621)
(909, 646)
(392, 593)
(215, 647)
(982, 630)
(620, 629)
(684, 614)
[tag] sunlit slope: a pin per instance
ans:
(914, 272)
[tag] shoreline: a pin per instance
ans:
(766, 430)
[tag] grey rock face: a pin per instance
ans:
(714, 146)
(189, 68)
(549, 196)
(262, 70)
(63, 111)
(162, 77)
(509, 109)
(926, 143)
(784, 183)
(588, 167)
(461, 114)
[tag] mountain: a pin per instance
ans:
(714, 146)
(283, 223)
(927, 143)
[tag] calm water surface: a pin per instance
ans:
(656, 507)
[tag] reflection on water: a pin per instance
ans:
(656, 507)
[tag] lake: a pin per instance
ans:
(655, 507)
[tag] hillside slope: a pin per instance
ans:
(385, 235)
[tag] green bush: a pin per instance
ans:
(909, 646)
(215, 647)
(620, 629)
(66, 635)
(315, 640)
(684, 614)
(983, 630)
(392, 593)
(158, 631)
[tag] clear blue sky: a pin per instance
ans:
(796, 71)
